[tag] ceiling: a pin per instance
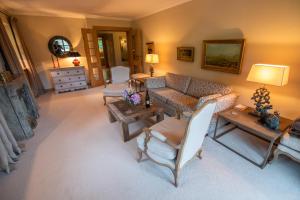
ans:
(115, 9)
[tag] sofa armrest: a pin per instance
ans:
(225, 102)
(155, 82)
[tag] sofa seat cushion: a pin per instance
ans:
(177, 82)
(183, 102)
(199, 88)
(292, 152)
(164, 94)
(160, 93)
(291, 142)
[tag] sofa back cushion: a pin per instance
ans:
(199, 88)
(178, 82)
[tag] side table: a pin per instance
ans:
(139, 80)
(249, 124)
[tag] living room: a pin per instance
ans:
(71, 146)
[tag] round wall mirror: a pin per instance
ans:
(60, 46)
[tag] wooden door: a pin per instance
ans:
(93, 56)
(109, 51)
(135, 50)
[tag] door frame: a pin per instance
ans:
(128, 31)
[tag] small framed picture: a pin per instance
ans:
(150, 48)
(185, 54)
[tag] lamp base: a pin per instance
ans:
(151, 71)
(261, 98)
(76, 62)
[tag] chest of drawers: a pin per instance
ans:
(68, 79)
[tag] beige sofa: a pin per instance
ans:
(185, 94)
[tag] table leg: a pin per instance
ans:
(159, 116)
(268, 153)
(140, 86)
(216, 128)
(125, 130)
(135, 84)
(111, 117)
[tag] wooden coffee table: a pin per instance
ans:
(126, 114)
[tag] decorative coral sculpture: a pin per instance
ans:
(261, 98)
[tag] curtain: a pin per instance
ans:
(9, 149)
(26, 59)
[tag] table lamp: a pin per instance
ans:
(75, 55)
(152, 59)
(266, 74)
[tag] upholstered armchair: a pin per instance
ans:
(114, 87)
(173, 142)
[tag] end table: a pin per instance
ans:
(249, 124)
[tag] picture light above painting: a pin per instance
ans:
(223, 55)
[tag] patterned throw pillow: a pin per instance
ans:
(178, 82)
(156, 82)
(204, 99)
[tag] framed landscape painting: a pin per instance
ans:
(223, 55)
(185, 54)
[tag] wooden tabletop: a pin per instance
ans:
(128, 114)
(250, 123)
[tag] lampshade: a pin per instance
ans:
(74, 54)
(269, 74)
(152, 58)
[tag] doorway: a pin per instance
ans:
(113, 50)
(106, 47)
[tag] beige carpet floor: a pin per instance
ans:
(77, 154)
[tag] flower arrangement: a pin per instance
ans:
(132, 97)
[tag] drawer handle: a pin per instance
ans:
(61, 86)
(71, 84)
(59, 80)
(69, 78)
(77, 71)
(80, 83)
(78, 77)
(58, 73)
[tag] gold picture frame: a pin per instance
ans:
(223, 55)
(185, 54)
(150, 47)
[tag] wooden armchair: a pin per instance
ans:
(174, 142)
(114, 87)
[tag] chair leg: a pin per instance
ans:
(104, 99)
(199, 154)
(140, 155)
(176, 176)
(276, 155)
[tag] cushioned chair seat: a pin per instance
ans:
(295, 154)
(157, 147)
(115, 89)
(291, 142)
(170, 128)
